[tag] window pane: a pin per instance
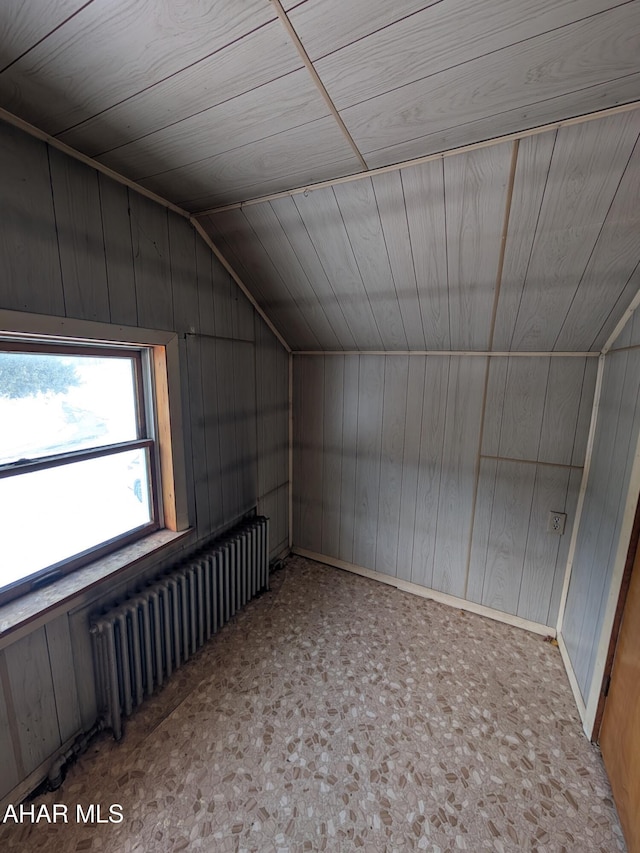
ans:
(52, 514)
(57, 403)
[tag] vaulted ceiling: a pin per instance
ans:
(527, 243)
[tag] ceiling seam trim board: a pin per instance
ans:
(428, 158)
(225, 263)
(492, 328)
(293, 35)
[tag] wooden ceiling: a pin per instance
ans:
(213, 102)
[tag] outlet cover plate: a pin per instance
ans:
(557, 522)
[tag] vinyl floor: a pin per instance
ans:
(334, 714)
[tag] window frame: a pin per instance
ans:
(158, 408)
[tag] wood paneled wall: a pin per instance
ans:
(608, 489)
(77, 245)
(403, 465)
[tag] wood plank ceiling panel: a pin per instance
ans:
(267, 228)
(259, 57)
(442, 36)
(21, 29)
(600, 49)
(610, 268)
(278, 106)
(393, 215)
(425, 213)
(475, 192)
(587, 165)
(302, 245)
(532, 168)
(321, 214)
(327, 25)
(240, 245)
(315, 151)
(359, 212)
(108, 52)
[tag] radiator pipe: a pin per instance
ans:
(56, 771)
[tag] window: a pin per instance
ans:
(79, 462)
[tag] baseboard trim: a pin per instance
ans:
(573, 681)
(433, 594)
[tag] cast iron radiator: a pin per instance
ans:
(140, 641)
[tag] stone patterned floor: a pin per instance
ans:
(336, 713)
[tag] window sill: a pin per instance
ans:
(61, 594)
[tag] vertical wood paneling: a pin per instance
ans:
(311, 437)
(30, 278)
(459, 461)
(410, 466)
(475, 189)
(350, 399)
(432, 435)
(184, 275)
(266, 377)
(481, 529)
(10, 776)
(332, 454)
(626, 444)
(64, 678)
(357, 203)
(76, 200)
(207, 315)
(274, 238)
(236, 238)
(561, 406)
(391, 209)
(596, 546)
(584, 412)
(118, 252)
(151, 263)
(199, 461)
(587, 164)
(391, 461)
(224, 415)
(575, 480)
(423, 188)
(496, 386)
(245, 424)
(31, 683)
(534, 157)
(301, 243)
(541, 555)
(523, 407)
(321, 215)
(370, 397)
(508, 535)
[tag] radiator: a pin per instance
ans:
(140, 641)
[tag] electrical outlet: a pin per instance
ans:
(556, 522)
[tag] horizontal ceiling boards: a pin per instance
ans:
(598, 49)
(201, 136)
(327, 25)
(20, 29)
(439, 37)
(257, 58)
(111, 51)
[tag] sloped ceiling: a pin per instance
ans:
(529, 245)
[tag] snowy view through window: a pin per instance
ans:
(51, 404)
